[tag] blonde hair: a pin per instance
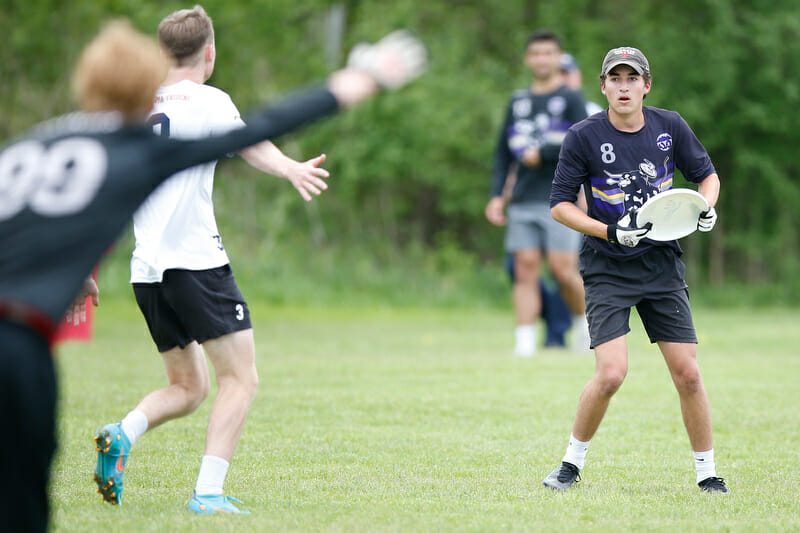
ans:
(120, 70)
(184, 33)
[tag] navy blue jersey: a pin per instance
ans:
(69, 189)
(620, 170)
(539, 120)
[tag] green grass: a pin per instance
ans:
(420, 420)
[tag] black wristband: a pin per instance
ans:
(611, 233)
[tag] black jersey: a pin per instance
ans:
(620, 170)
(539, 120)
(69, 189)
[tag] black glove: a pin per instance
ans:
(625, 231)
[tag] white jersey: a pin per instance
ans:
(175, 227)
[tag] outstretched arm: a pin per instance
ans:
(392, 62)
(306, 177)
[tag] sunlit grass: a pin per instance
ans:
(372, 419)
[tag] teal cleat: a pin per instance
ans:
(210, 504)
(112, 447)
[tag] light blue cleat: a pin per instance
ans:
(112, 447)
(211, 503)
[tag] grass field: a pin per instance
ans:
(420, 420)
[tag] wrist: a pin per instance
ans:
(611, 233)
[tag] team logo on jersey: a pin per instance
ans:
(556, 105)
(636, 186)
(664, 142)
(522, 107)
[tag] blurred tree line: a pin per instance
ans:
(411, 169)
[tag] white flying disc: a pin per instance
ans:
(673, 213)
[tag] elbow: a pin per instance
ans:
(557, 212)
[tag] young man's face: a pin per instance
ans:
(544, 59)
(625, 90)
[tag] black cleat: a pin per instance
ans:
(713, 484)
(563, 477)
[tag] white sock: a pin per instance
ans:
(134, 425)
(704, 465)
(525, 336)
(212, 475)
(576, 452)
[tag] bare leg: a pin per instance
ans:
(233, 357)
(187, 373)
(564, 266)
(681, 360)
(527, 296)
(610, 369)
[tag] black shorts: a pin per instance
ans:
(28, 419)
(653, 282)
(192, 305)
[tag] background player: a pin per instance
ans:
(180, 271)
(535, 123)
(620, 267)
(573, 78)
(68, 189)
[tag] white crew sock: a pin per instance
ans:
(134, 425)
(525, 336)
(212, 475)
(704, 465)
(576, 452)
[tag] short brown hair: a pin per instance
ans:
(120, 70)
(184, 33)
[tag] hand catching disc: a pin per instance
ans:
(673, 213)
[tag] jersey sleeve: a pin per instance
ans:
(226, 116)
(691, 157)
(571, 171)
(503, 158)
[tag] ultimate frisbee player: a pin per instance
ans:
(622, 156)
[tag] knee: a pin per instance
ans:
(195, 394)
(566, 276)
(246, 383)
(526, 267)
(610, 381)
(688, 380)
(251, 384)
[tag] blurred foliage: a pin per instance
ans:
(411, 169)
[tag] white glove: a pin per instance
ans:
(626, 233)
(393, 61)
(707, 220)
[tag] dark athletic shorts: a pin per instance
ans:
(653, 282)
(192, 305)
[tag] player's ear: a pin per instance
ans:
(648, 84)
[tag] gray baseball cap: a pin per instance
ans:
(625, 55)
(568, 62)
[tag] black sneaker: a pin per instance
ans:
(713, 484)
(563, 476)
